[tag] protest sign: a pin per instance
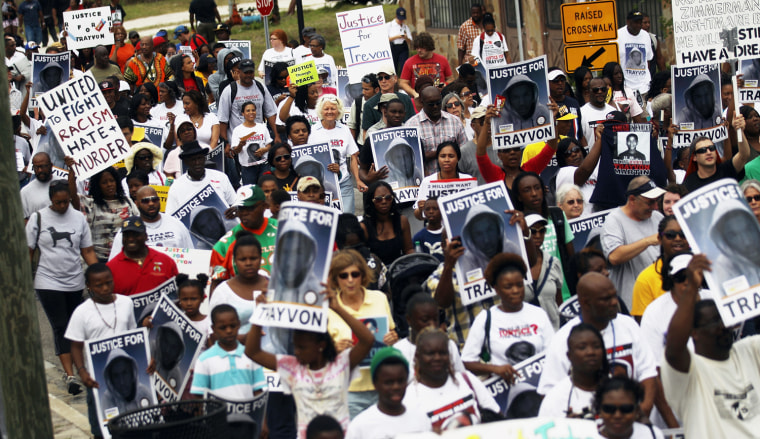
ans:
(88, 28)
(303, 74)
(344, 93)
(163, 193)
(399, 149)
(570, 309)
(49, 71)
(715, 31)
(587, 228)
(245, 418)
(521, 93)
(268, 68)
(189, 261)
(749, 93)
(529, 428)
(243, 46)
(364, 37)
(477, 218)
(440, 188)
(175, 344)
(145, 302)
(305, 238)
(528, 374)
(378, 326)
(312, 160)
(718, 222)
(696, 104)
(673, 433)
(84, 125)
(151, 134)
(203, 215)
(118, 364)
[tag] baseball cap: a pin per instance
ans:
(565, 114)
(31, 45)
(247, 64)
(534, 218)
(222, 26)
(616, 116)
(647, 190)
(249, 196)
(158, 40)
(635, 15)
(306, 182)
(401, 13)
(123, 86)
(387, 97)
(133, 224)
(163, 33)
(321, 70)
(387, 69)
(679, 263)
(229, 65)
(554, 74)
(385, 354)
(181, 29)
(478, 112)
(106, 85)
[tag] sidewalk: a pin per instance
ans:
(69, 413)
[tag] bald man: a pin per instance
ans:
(622, 339)
(163, 230)
(35, 196)
(102, 67)
(146, 66)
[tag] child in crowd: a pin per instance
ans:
(105, 314)
(324, 427)
(251, 143)
(430, 237)
(421, 313)
(191, 294)
(223, 370)
(389, 417)
(317, 374)
(279, 196)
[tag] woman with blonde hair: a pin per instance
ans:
(349, 276)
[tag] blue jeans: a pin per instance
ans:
(251, 174)
(347, 195)
(33, 33)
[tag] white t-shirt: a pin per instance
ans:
(566, 175)
(492, 52)
(223, 294)
(92, 320)
(654, 325)
(310, 115)
(259, 139)
(717, 399)
(328, 63)
(61, 240)
(635, 68)
(203, 132)
(408, 349)
(627, 103)
(160, 113)
(394, 29)
(374, 424)
(302, 54)
(446, 402)
(35, 195)
(564, 397)
(590, 116)
(187, 188)
(622, 340)
(166, 232)
(271, 56)
(515, 336)
(341, 143)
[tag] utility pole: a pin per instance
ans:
(22, 374)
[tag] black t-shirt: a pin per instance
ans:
(203, 10)
(723, 170)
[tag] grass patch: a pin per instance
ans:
(150, 9)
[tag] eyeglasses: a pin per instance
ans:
(153, 199)
(573, 202)
(673, 234)
(353, 274)
(280, 158)
(380, 198)
(384, 77)
(465, 94)
(704, 149)
(573, 150)
(599, 89)
(434, 103)
(752, 198)
(611, 409)
(144, 157)
(454, 104)
(538, 230)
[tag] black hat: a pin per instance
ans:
(247, 64)
(222, 26)
(192, 148)
(229, 65)
(635, 15)
(616, 116)
(133, 224)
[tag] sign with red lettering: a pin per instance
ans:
(265, 7)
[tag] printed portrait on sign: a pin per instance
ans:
(631, 147)
(699, 103)
(635, 57)
(484, 235)
(49, 76)
(750, 69)
(523, 107)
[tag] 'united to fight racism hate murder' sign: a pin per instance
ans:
(84, 125)
(365, 41)
(88, 27)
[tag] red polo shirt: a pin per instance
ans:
(129, 278)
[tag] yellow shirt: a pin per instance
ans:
(375, 305)
(648, 287)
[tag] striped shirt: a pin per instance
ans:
(432, 134)
(228, 375)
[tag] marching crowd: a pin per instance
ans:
(640, 353)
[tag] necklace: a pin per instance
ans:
(195, 121)
(317, 384)
(101, 315)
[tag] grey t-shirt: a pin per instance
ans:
(619, 230)
(34, 196)
(61, 238)
(232, 115)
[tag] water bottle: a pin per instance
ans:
(418, 247)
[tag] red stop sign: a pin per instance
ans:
(265, 7)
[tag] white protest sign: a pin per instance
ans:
(365, 41)
(88, 27)
(713, 31)
(84, 125)
(189, 261)
(440, 188)
(530, 428)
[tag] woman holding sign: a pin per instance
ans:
(279, 52)
(448, 155)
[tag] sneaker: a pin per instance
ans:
(72, 384)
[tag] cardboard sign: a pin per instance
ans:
(243, 416)
(189, 261)
(303, 74)
(203, 215)
(88, 27)
(530, 428)
(312, 160)
(586, 228)
(163, 194)
(151, 134)
(84, 125)
(364, 37)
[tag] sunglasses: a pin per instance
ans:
(611, 409)
(153, 199)
(144, 157)
(672, 234)
(538, 231)
(574, 150)
(454, 104)
(705, 149)
(752, 198)
(280, 158)
(353, 274)
(508, 150)
(282, 78)
(383, 77)
(380, 198)
(573, 202)
(466, 93)
(599, 89)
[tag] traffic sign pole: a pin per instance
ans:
(265, 8)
